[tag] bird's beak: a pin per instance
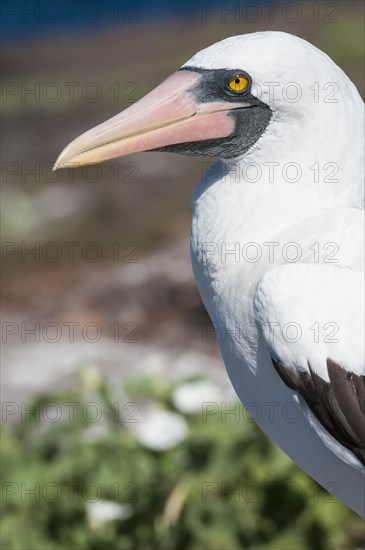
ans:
(168, 115)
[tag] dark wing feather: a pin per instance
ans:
(339, 405)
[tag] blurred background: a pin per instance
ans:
(119, 426)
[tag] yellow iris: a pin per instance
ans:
(238, 83)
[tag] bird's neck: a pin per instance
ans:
(287, 176)
(239, 207)
(293, 172)
(254, 198)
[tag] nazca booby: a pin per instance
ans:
(276, 234)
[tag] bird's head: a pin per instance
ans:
(222, 101)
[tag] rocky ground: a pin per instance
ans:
(128, 319)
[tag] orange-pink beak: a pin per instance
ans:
(168, 115)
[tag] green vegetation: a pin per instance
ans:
(223, 486)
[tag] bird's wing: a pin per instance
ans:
(312, 320)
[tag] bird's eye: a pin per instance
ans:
(238, 83)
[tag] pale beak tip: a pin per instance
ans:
(65, 160)
(60, 162)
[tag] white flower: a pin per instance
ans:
(189, 397)
(160, 430)
(102, 511)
